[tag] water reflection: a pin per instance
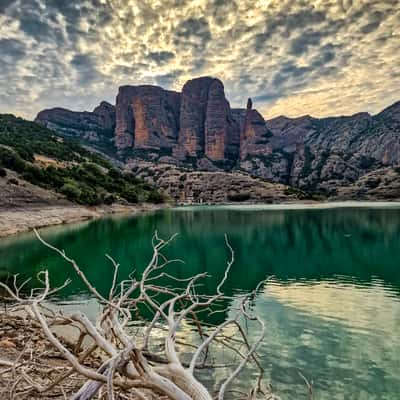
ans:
(332, 306)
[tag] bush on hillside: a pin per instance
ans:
(155, 197)
(13, 181)
(9, 159)
(366, 162)
(239, 196)
(130, 194)
(71, 191)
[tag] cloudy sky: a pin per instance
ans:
(293, 57)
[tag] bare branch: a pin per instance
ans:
(131, 362)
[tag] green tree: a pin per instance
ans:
(71, 191)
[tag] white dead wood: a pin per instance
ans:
(130, 367)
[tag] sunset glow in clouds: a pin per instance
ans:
(293, 57)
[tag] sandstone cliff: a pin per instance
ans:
(146, 117)
(193, 116)
(207, 127)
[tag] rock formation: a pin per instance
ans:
(254, 133)
(198, 128)
(197, 124)
(106, 113)
(324, 154)
(193, 116)
(189, 186)
(221, 130)
(146, 117)
(207, 127)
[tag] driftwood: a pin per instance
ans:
(129, 367)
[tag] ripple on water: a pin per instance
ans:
(331, 305)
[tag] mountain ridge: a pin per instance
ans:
(198, 127)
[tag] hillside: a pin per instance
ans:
(186, 185)
(39, 166)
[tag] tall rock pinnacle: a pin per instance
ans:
(254, 131)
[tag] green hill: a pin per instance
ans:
(43, 158)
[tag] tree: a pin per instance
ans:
(71, 191)
(155, 197)
(131, 367)
(130, 194)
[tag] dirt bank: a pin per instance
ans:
(21, 219)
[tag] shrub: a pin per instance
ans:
(34, 175)
(290, 190)
(3, 172)
(146, 186)
(13, 181)
(372, 182)
(239, 196)
(130, 194)
(26, 153)
(131, 178)
(11, 160)
(366, 162)
(71, 191)
(155, 197)
(90, 197)
(109, 199)
(114, 173)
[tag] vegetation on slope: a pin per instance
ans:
(82, 176)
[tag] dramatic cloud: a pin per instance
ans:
(319, 57)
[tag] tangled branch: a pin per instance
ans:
(134, 366)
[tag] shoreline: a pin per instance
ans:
(24, 219)
(298, 205)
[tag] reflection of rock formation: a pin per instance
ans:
(350, 304)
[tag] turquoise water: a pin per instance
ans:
(331, 303)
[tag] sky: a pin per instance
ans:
(292, 57)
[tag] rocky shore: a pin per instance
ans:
(22, 219)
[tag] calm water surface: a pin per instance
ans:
(331, 305)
